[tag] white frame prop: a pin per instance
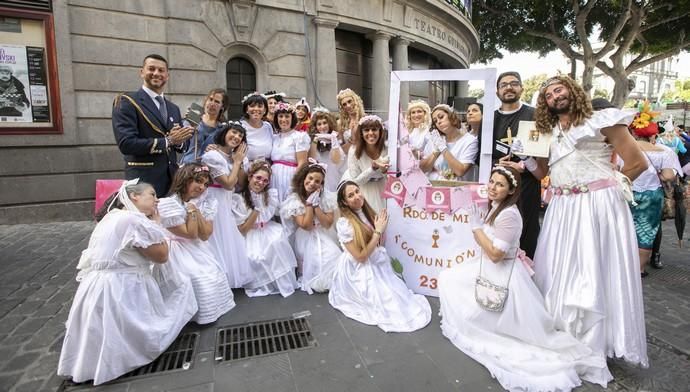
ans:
(488, 75)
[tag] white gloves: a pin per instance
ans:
(516, 148)
(347, 135)
(314, 199)
(438, 141)
(335, 143)
(257, 200)
(475, 217)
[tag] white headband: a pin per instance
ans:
(507, 172)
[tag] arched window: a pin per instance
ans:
(240, 75)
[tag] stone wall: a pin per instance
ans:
(100, 47)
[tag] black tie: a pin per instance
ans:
(163, 109)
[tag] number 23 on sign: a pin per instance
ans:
(425, 281)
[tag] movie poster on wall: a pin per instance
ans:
(15, 93)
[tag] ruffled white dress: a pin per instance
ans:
(371, 182)
(226, 242)
(283, 155)
(586, 262)
(317, 249)
(519, 346)
(371, 292)
(464, 150)
(193, 258)
(418, 139)
(120, 319)
(271, 258)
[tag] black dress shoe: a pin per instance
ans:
(656, 261)
(644, 274)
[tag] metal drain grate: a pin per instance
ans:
(179, 356)
(258, 339)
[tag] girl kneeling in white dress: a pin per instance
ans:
(311, 211)
(271, 258)
(518, 344)
(188, 214)
(365, 287)
(120, 318)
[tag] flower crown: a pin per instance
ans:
(255, 93)
(645, 116)
(443, 106)
(319, 109)
(508, 174)
(371, 117)
(284, 107)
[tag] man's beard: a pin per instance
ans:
(560, 110)
(510, 100)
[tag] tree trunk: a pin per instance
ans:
(621, 90)
(587, 75)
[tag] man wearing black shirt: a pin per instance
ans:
(509, 115)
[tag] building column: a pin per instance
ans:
(462, 88)
(380, 73)
(400, 63)
(326, 66)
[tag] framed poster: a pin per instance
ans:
(29, 90)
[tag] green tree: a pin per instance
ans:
(680, 92)
(531, 85)
(600, 93)
(650, 30)
(476, 92)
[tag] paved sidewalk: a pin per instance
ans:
(37, 270)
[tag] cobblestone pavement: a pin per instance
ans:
(37, 270)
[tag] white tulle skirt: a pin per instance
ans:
(319, 254)
(272, 262)
(587, 267)
(519, 346)
(372, 294)
(226, 241)
(193, 260)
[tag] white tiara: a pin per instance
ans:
(255, 93)
(507, 173)
(443, 106)
(371, 117)
(319, 109)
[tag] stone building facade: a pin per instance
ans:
(310, 48)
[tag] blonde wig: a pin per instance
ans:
(418, 104)
(344, 120)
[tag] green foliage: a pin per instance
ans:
(680, 92)
(531, 85)
(601, 93)
(476, 92)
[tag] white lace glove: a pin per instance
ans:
(438, 141)
(257, 200)
(516, 148)
(314, 199)
(347, 136)
(335, 143)
(475, 217)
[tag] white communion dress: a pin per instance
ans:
(317, 249)
(519, 346)
(226, 242)
(334, 171)
(283, 155)
(271, 259)
(586, 262)
(371, 182)
(193, 258)
(120, 319)
(371, 293)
